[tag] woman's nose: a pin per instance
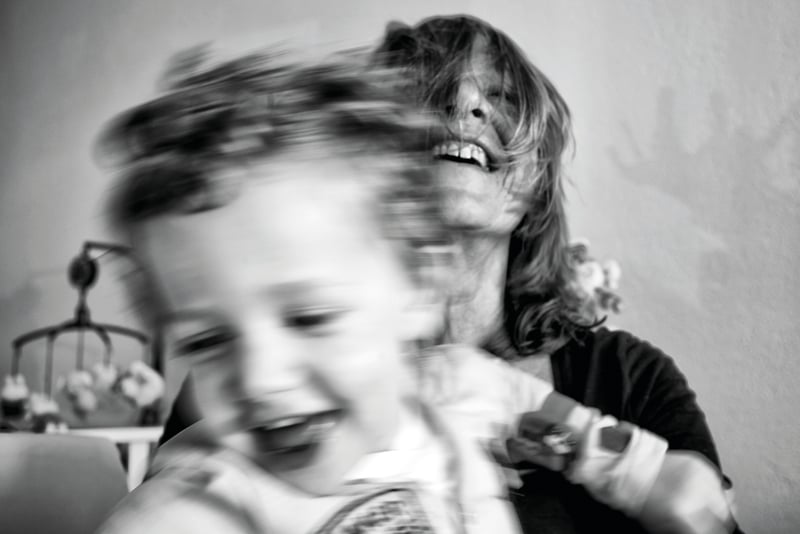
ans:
(469, 103)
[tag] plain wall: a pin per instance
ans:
(686, 171)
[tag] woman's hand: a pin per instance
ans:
(668, 492)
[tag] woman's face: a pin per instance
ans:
(481, 192)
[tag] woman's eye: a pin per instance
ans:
(499, 95)
(510, 97)
(315, 320)
(207, 342)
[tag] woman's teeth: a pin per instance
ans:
(462, 151)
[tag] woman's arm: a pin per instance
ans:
(688, 496)
(620, 464)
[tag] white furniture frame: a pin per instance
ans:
(139, 440)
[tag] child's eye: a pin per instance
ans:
(209, 342)
(315, 320)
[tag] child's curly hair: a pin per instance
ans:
(171, 150)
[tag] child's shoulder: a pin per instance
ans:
(181, 497)
(459, 357)
(472, 381)
(454, 360)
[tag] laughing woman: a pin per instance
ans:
(500, 174)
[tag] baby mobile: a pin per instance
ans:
(101, 394)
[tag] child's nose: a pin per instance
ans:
(271, 361)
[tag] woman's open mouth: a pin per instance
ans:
(464, 152)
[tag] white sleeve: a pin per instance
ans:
(467, 380)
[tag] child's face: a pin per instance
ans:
(296, 316)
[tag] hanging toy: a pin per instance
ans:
(14, 396)
(90, 396)
(45, 416)
(141, 384)
(105, 375)
(79, 387)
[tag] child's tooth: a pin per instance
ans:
(452, 149)
(465, 152)
(286, 422)
(322, 426)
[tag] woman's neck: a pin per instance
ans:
(475, 312)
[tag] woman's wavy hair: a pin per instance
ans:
(541, 309)
(172, 153)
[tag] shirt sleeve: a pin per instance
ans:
(661, 401)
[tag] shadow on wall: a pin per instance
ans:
(737, 189)
(740, 192)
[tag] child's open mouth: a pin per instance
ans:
(295, 439)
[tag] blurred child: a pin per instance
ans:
(284, 218)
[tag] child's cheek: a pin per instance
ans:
(213, 387)
(376, 386)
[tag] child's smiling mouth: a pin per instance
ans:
(294, 440)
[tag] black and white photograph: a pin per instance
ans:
(425, 267)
